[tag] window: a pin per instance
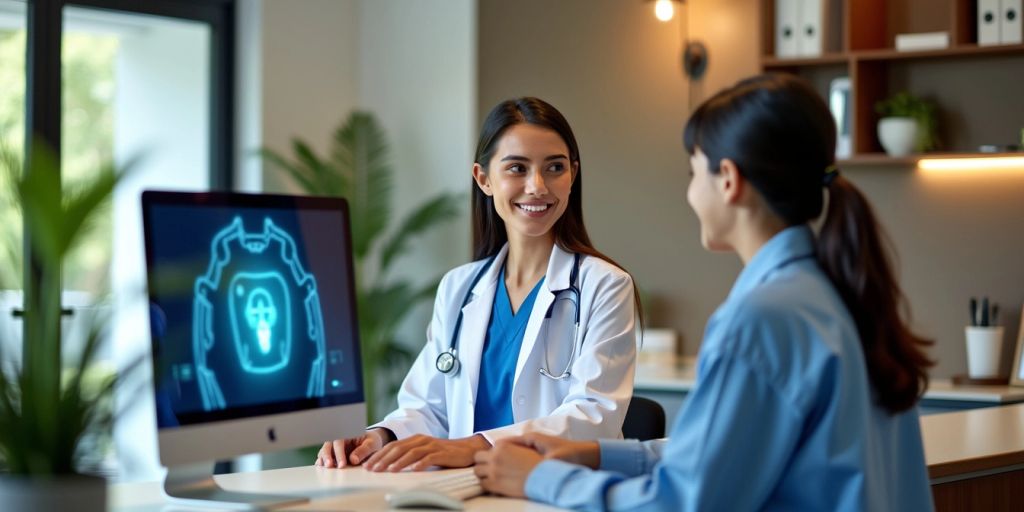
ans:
(145, 80)
(12, 140)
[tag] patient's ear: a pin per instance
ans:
(730, 182)
(481, 179)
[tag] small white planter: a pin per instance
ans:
(898, 135)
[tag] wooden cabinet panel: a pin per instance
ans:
(992, 493)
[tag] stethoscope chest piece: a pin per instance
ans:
(448, 362)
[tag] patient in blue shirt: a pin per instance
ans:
(808, 376)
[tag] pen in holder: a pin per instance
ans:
(984, 340)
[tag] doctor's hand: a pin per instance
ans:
(583, 453)
(505, 468)
(344, 452)
(420, 452)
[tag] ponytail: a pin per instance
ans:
(855, 254)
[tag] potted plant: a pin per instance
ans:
(358, 170)
(907, 124)
(52, 418)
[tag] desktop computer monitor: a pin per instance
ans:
(254, 333)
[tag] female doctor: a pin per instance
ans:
(537, 335)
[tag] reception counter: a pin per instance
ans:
(973, 437)
(976, 458)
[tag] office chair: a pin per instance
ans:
(645, 420)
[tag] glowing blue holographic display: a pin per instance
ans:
(258, 298)
(262, 335)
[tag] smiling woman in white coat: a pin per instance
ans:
(537, 335)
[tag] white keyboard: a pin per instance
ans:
(446, 491)
(462, 486)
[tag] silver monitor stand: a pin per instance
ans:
(193, 484)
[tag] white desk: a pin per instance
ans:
(352, 489)
(974, 457)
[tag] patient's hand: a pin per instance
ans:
(420, 452)
(344, 452)
(505, 468)
(584, 453)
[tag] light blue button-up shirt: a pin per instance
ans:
(781, 416)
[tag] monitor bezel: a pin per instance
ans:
(258, 418)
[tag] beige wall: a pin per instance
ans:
(614, 71)
(306, 65)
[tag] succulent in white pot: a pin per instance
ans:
(898, 135)
(907, 125)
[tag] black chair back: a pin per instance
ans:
(645, 420)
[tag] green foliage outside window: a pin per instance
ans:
(87, 133)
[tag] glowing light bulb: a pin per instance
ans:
(663, 10)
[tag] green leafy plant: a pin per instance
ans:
(52, 418)
(357, 169)
(904, 104)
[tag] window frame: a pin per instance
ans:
(44, 24)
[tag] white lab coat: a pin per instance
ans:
(589, 404)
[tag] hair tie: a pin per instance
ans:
(831, 172)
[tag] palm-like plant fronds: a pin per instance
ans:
(359, 170)
(45, 411)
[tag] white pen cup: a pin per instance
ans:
(984, 346)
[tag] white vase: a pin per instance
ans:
(53, 492)
(898, 135)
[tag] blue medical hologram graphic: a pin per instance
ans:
(259, 303)
(261, 323)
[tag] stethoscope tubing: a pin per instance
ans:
(448, 361)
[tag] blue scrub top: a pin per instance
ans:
(493, 408)
(782, 416)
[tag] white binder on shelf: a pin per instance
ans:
(786, 22)
(988, 22)
(1011, 27)
(810, 34)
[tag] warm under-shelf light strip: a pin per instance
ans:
(1000, 163)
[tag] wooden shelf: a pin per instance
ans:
(956, 51)
(975, 88)
(870, 159)
(770, 61)
(885, 54)
(880, 159)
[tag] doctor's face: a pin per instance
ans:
(529, 177)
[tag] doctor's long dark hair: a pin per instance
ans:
(779, 133)
(489, 233)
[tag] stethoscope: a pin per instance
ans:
(448, 361)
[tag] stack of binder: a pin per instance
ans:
(999, 22)
(798, 28)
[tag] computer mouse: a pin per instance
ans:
(422, 498)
